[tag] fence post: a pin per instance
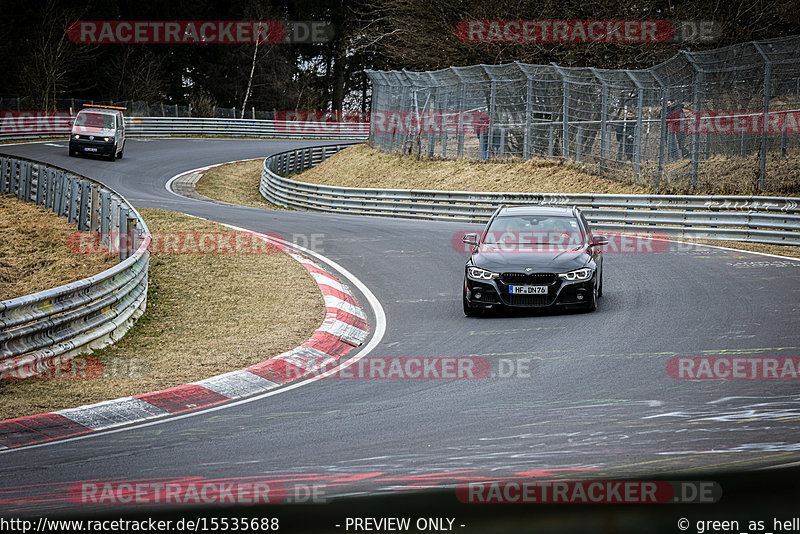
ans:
(461, 101)
(762, 164)
(492, 112)
(565, 112)
(664, 135)
(603, 117)
(637, 132)
(526, 136)
(698, 102)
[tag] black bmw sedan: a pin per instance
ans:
(533, 256)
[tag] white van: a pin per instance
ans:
(98, 130)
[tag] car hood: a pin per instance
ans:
(91, 130)
(560, 260)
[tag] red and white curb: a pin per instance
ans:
(345, 327)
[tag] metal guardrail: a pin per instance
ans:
(41, 127)
(773, 220)
(83, 315)
(171, 126)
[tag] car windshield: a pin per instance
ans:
(95, 120)
(534, 229)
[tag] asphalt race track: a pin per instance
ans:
(591, 397)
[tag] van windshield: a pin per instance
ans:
(95, 120)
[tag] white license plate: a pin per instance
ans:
(89, 149)
(527, 290)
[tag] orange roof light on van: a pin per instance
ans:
(99, 106)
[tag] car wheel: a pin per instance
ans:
(592, 304)
(73, 154)
(119, 156)
(600, 291)
(469, 311)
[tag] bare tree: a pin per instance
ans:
(52, 57)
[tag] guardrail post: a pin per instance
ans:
(73, 200)
(105, 218)
(14, 178)
(41, 184)
(116, 230)
(123, 234)
(132, 236)
(51, 183)
(60, 200)
(3, 175)
(27, 178)
(83, 207)
(94, 209)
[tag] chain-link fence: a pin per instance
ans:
(694, 122)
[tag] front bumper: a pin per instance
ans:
(85, 146)
(489, 293)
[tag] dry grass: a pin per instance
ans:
(724, 175)
(206, 315)
(34, 255)
(236, 183)
(363, 166)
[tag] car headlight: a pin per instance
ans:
(578, 274)
(108, 139)
(481, 274)
(76, 136)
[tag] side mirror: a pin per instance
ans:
(471, 239)
(598, 241)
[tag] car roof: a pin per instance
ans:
(535, 210)
(100, 111)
